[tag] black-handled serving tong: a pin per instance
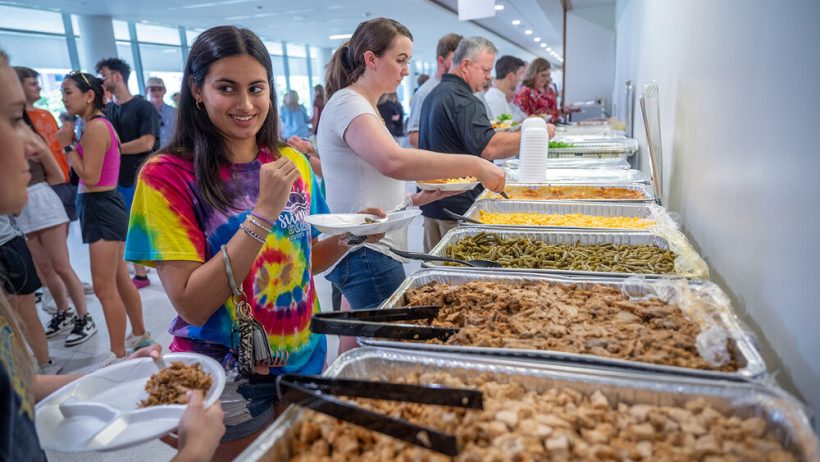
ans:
(381, 323)
(317, 393)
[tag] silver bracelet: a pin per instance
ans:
(259, 225)
(252, 234)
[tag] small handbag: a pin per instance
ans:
(253, 352)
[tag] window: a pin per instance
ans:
(157, 34)
(317, 68)
(164, 62)
(124, 53)
(279, 77)
(121, 31)
(299, 80)
(27, 19)
(191, 35)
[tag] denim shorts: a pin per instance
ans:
(250, 403)
(367, 277)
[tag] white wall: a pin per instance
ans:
(740, 98)
(590, 55)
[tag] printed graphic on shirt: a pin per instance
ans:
(170, 220)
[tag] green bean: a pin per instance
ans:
(528, 253)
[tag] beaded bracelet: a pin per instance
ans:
(252, 234)
(259, 225)
(256, 215)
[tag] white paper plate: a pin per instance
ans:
(100, 411)
(353, 223)
(446, 186)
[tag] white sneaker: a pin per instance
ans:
(47, 302)
(49, 368)
(110, 359)
(135, 342)
(60, 322)
(83, 329)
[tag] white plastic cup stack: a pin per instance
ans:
(533, 151)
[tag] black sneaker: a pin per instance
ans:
(61, 321)
(84, 328)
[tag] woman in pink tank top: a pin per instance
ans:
(104, 221)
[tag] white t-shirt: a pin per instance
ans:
(414, 119)
(497, 104)
(351, 183)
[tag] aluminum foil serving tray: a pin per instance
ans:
(750, 360)
(687, 263)
(513, 188)
(782, 413)
(600, 209)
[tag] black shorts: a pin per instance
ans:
(17, 272)
(68, 196)
(102, 216)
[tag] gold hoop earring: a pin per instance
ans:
(199, 105)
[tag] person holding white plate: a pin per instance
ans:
(199, 428)
(363, 164)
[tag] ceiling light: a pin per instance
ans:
(516, 22)
(548, 48)
(340, 36)
(499, 7)
(543, 45)
(528, 32)
(536, 39)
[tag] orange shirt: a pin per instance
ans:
(46, 126)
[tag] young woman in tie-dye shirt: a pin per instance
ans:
(224, 180)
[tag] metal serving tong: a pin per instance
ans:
(315, 392)
(381, 323)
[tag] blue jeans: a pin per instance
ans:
(366, 278)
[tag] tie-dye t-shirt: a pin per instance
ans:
(171, 221)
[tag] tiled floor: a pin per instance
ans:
(158, 314)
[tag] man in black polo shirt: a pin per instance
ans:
(137, 123)
(453, 120)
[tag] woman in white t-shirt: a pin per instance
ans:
(363, 164)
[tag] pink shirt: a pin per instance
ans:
(110, 173)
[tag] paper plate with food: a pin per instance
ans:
(361, 224)
(450, 184)
(505, 122)
(126, 404)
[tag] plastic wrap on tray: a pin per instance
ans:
(657, 214)
(578, 163)
(701, 302)
(579, 175)
(687, 262)
(595, 192)
(765, 411)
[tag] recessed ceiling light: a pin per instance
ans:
(536, 39)
(499, 7)
(340, 36)
(543, 45)
(516, 22)
(528, 32)
(548, 48)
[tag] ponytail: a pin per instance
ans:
(347, 64)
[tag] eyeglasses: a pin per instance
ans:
(156, 88)
(81, 74)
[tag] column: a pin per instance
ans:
(96, 40)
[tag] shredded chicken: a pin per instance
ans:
(171, 385)
(520, 424)
(596, 320)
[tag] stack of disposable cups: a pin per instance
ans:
(533, 151)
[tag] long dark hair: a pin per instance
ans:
(347, 64)
(195, 136)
